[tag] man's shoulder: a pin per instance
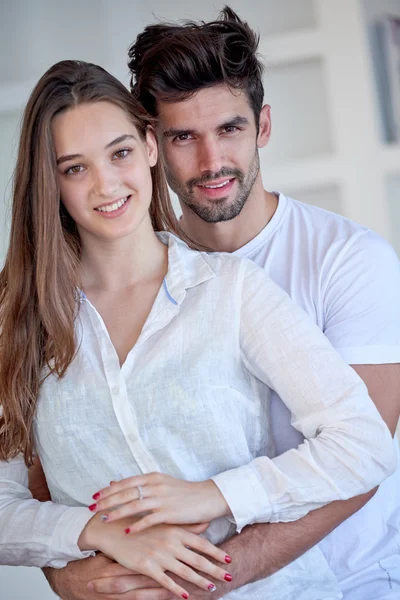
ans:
(322, 222)
(303, 230)
(327, 234)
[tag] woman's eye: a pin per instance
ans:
(74, 170)
(123, 153)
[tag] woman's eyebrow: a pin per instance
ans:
(118, 140)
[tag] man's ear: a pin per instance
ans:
(151, 145)
(264, 128)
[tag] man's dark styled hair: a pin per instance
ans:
(171, 62)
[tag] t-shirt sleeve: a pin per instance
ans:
(362, 302)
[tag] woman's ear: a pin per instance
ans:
(151, 145)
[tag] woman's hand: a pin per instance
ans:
(157, 550)
(165, 498)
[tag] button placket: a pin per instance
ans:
(128, 424)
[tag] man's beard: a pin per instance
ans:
(215, 211)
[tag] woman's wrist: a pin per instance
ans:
(90, 536)
(216, 499)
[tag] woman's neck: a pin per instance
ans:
(119, 264)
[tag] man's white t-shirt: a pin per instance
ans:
(347, 278)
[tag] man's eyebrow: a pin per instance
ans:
(118, 140)
(234, 122)
(168, 133)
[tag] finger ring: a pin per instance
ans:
(140, 490)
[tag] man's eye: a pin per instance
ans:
(230, 129)
(183, 137)
(74, 170)
(123, 153)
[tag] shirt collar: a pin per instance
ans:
(186, 267)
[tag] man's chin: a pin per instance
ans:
(218, 212)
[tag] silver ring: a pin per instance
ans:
(140, 490)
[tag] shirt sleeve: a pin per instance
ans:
(361, 301)
(348, 448)
(33, 533)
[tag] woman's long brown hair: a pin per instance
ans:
(39, 281)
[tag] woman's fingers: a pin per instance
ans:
(155, 518)
(124, 496)
(130, 509)
(200, 563)
(130, 483)
(188, 574)
(195, 542)
(166, 582)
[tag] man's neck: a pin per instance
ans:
(228, 236)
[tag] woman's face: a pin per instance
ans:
(103, 170)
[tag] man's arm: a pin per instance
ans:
(258, 552)
(37, 482)
(261, 550)
(383, 383)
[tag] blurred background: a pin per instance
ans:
(332, 78)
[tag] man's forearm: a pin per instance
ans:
(261, 550)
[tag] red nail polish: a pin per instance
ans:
(96, 496)
(212, 587)
(228, 577)
(185, 595)
(93, 507)
(127, 530)
(228, 559)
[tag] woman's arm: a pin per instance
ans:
(348, 448)
(43, 534)
(36, 533)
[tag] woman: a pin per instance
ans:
(124, 353)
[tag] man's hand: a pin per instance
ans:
(113, 582)
(131, 583)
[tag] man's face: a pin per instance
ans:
(210, 150)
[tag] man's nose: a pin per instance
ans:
(210, 156)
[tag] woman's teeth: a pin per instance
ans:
(112, 207)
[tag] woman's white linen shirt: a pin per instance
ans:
(192, 400)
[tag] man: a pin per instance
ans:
(203, 82)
